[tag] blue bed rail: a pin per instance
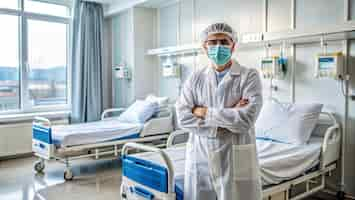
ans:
(43, 134)
(42, 141)
(151, 175)
(146, 173)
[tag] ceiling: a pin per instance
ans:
(146, 3)
(113, 7)
(104, 1)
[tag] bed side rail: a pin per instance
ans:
(42, 121)
(111, 110)
(331, 142)
(177, 138)
(330, 116)
(159, 124)
(42, 142)
(167, 161)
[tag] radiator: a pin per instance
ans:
(16, 138)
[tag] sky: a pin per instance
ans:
(46, 41)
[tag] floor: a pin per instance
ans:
(94, 180)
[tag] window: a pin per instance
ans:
(33, 55)
(11, 4)
(9, 64)
(47, 44)
(38, 6)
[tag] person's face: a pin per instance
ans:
(219, 39)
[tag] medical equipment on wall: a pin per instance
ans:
(122, 72)
(170, 68)
(273, 67)
(330, 65)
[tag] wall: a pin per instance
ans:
(122, 53)
(107, 62)
(133, 33)
(145, 66)
(170, 29)
(350, 140)
(247, 16)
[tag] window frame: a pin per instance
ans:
(25, 105)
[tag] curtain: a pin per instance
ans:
(87, 61)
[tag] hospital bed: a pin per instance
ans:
(65, 143)
(288, 172)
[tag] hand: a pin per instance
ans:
(241, 103)
(199, 112)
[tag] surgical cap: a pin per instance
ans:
(219, 28)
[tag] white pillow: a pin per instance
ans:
(288, 123)
(162, 101)
(139, 112)
(163, 105)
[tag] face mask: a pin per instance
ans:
(219, 54)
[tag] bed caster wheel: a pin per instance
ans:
(122, 193)
(39, 166)
(68, 175)
(340, 195)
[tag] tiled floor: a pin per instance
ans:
(94, 180)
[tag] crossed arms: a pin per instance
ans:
(238, 119)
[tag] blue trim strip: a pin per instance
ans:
(132, 136)
(142, 192)
(179, 188)
(326, 59)
(56, 142)
(272, 140)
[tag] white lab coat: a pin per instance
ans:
(221, 156)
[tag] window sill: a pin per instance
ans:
(19, 117)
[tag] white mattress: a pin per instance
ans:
(93, 132)
(278, 161)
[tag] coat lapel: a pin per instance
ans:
(218, 90)
(227, 81)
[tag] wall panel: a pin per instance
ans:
(279, 15)
(315, 13)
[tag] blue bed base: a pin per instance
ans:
(151, 175)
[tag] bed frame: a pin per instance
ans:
(155, 133)
(294, 189)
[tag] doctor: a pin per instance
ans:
(219, 105)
